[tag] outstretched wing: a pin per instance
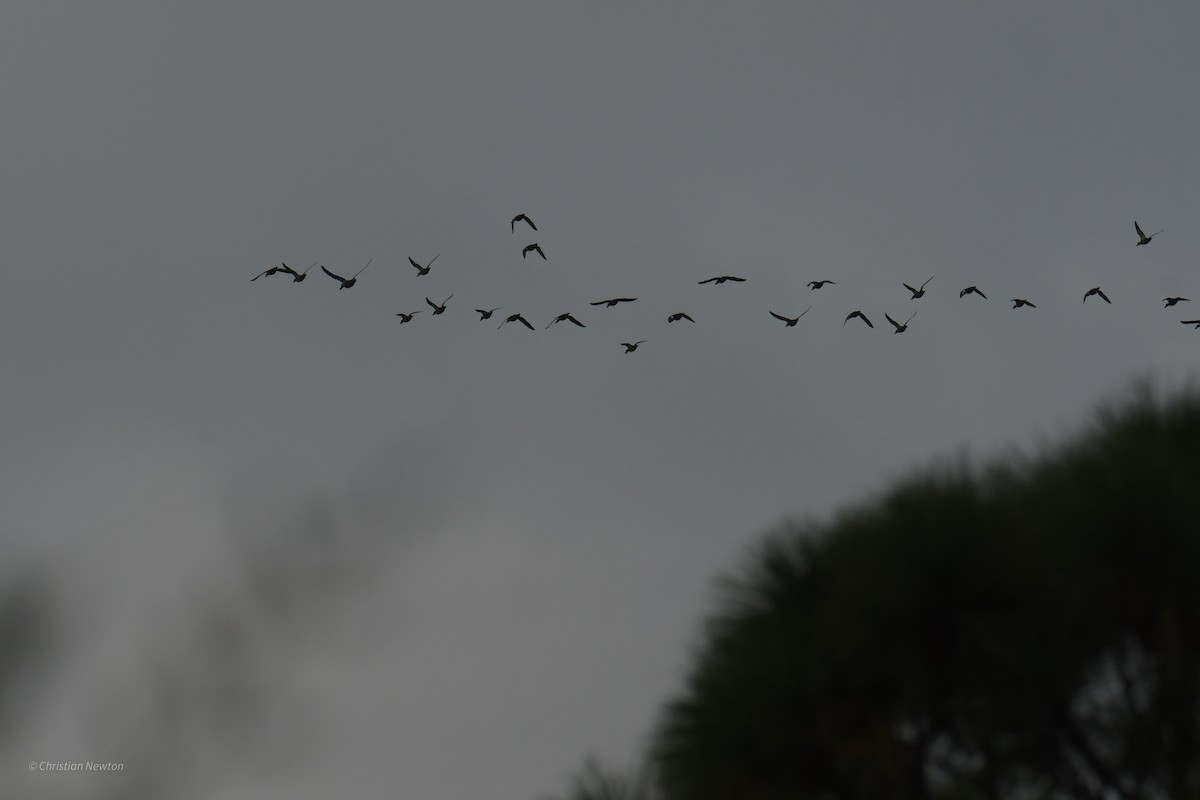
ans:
(779, 317)
(524, 322)
(710, 280)
(330, 274)
(1138, 228)
(889, 319)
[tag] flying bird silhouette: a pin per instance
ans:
(566, 318)
(613, 301)
(346, 282)
(438, 309)
(631, 346)
(917, 292)
(900, 328)
(721, 279)
(1170, 301)
(407, 317)
(486, 313)
(515, 318)
(1096, 291)
(678, 315)
(1142, 237)
(819, 284)
(969, 290)
(1191, 321)
(858, 314)
(1018, 302)
(521, 218)
(297, 276)
(423, 270)
(535, 247)
(789, 322)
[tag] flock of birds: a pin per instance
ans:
(535, 248)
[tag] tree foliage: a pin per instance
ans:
(1027, 629)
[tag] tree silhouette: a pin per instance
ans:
(1025, 629)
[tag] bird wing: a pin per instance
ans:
(527, 219)
(415, 264)
(431, 303)
(538, 249)
(931, 277)
(889, 319)
(864, 319)
(981, 294)
(626, 299)
(779, 317)
(598, 303)
(735, 279)
(525, 322)
(264, 272)
(710, 280)
(288, 269)
(911, 289)
(1138, 228)
(577, 322)
(805, 311)
(685, 316)
(1104, 297)
(1190, 321)
(330, 274)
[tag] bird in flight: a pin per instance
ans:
(536, 248)
(631, 346)
(407, 317)
(1142, 237)
(566, 318)
(297, 276)
(346, 282)
(900, 328)
(790, 322)
(1096, 291)
(819, 284)
(918, 292)
(1170, 301)
(269, 272)
(438, 309)
(678, 315)
(969, 290)
(423, 270)
(858, 314)
(613, 301)
(521, 218)
(486, 313)
(1191, 321)
(1018, 302)
(722, 278)
(515, 318)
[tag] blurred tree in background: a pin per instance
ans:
(1028, 629)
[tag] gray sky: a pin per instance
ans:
(298, 549)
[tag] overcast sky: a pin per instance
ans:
(300, 550)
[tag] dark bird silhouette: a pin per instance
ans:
(723, 278)
(269, 272)
(1096, 291)
(1142, 237)
(819, 284)
(1191, 321)
(566, 318)
(900, 328)
(521, 218)
(789, 321)
(407, 317)
(969, 290)
(346, 282)
(438, 309)
(486, 313)
(297, 276)
(1018, 302)
(423, 270)
(918, 292)
(678, 315)
(535, 247)
(1170, 301)
(858, 314)
(515, 318)
(631, 346)
(613, 301)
